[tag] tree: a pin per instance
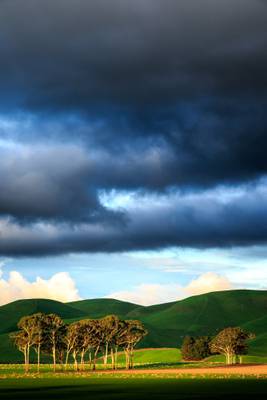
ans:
(78, 339)
(109, 328)
(132, 331)
(201, 347)
(39, 322)
(20, 340)
(187, 348)
(48, 334)
(118, 340)
(230, 342)
(85, 338)
(55, 331)
(195, 348)
(71, 339)
(30, 335)
(96, 339)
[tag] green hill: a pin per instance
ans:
(96, 308)
(167, 323)
(206, 314)
(11, 313)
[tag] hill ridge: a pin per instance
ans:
(167, 323)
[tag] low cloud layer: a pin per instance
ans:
(216, 218)
(149, 294)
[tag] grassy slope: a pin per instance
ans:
(205, 314)
(167, 323)
(96, 308)
(8, 353)
(198, 315)
(12, 312)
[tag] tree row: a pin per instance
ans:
(82, 341)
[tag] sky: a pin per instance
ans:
(133, 139)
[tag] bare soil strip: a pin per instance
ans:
(230, 370)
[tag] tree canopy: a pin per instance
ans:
(48, 334)
(231, 342)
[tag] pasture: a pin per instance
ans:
(129, 386)
(158, 374)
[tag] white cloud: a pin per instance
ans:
(59, 287)
(208, 282)
(148, 294)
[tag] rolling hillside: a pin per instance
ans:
(11, 313)
(96, 307)
(167, 323)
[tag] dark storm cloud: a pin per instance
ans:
(194, 145)
(62, 54)
(152, 96)
(191, 146)
(48, 183)
(189, 76)
(192, 221)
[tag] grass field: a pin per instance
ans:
(127, 387)
(153, 356)
(150, 379)
(160, 357)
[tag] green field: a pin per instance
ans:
(125, 387)
(153, 356)
(15, 384)
(150, 358)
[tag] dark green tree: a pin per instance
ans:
(195, 348)
(187, 348)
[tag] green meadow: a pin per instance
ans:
(130, 387)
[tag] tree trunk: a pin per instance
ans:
(38, 358)
(90, 359)
(131, 359)
(25, 358)
(67, 359)
(106, 354)
(82, 360)
(229, 358)
(54, 358)
(75, 361)
(127, 359)
(112, 358)
(95, 355)
(116, 357)
(28, 358)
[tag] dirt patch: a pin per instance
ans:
(231, 370)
